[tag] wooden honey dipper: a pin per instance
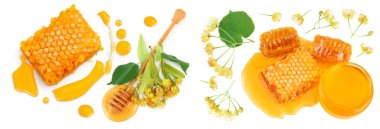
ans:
(118, 97)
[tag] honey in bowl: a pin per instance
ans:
(346, 90)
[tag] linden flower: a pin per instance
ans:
(172, 91)
(178, 81)
(363, 19)
(330, 19)
(212, 61)
(205, 36)
(298, 18)
(327, 13)
(348, 13)
(370, 33)
(223, 71)
(213, 24)
(328, 16)
(334, 24)
(223, 105)
(166, 83)
(365, 49)
(209, 49)
(212, 83)
(154, 96)
(276, 17)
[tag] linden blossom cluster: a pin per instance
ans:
(365, 49)
(328, 17)
(155, 96)
(362, 19)
(215, 104)
(276, 16)
(232, 36)
(221, 70)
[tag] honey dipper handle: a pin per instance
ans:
(178, 16)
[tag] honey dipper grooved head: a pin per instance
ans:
(117, 105)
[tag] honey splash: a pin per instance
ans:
(78, 88)
(23, 78)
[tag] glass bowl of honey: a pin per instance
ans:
(345, 90)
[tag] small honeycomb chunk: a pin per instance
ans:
(57, 50)
(279, 41)
(331, 50)
(293, 76)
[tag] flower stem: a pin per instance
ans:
(310, 30)
(360, 54)
(219, 47)
(265, 14)
(205, 81)
(249, 40)
(229, 58)
(306, 13)
(221, 39)
(349, 25)
(223, 54)
(317, 28)
(352, 35)
(228, 90)
(233, 59)
(361, 35)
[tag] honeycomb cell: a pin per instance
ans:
(57, 50)
(292, 76)
(279, 41)
(330, 50)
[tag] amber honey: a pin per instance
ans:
(85, 111)
(345, 90)
(258, 92)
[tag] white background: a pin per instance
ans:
(20, 19)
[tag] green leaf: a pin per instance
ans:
(164, 72)
(124, 74)
(234, 26)
(173, 71)
(145, 77)
(154, 72)
(142, 51)
(157, 55)
(182, 64)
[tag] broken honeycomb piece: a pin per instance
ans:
(279, 41)
(293, 76)
(331, 50)
(57, 50)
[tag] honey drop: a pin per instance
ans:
(150, 21)
(45, 100)
(123, 47)
(85, 110)
(118, 22)
(121, 33)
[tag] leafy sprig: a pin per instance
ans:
(158, 81)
